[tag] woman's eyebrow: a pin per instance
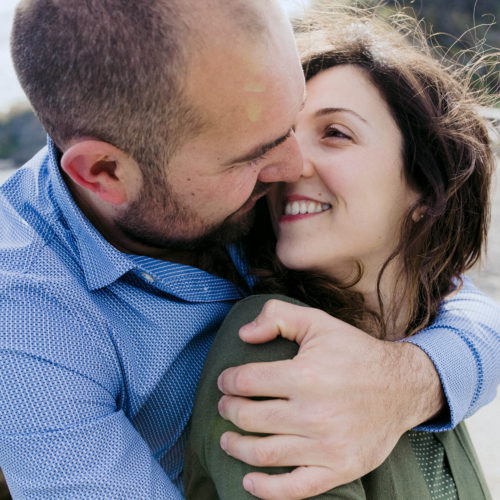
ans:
(328, 111)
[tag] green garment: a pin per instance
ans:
(211, 474)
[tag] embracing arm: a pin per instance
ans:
(346, 399)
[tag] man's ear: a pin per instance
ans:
(101, 168)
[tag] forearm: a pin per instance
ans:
(344, 400)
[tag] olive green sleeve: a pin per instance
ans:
(211, 474)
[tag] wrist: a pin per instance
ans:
(419, 387)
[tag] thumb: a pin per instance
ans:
(279, 318)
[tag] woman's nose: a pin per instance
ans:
(308, 169)
(306, 150)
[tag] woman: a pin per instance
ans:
(392, 207)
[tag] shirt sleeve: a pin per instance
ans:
(62, 432)
(464, 345)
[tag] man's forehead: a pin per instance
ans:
(241, 88)
(248, 92)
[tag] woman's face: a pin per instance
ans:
(349, 203)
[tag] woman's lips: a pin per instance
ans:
(298, 207)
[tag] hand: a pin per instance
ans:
(342, 403)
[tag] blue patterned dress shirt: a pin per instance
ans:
(101, 351)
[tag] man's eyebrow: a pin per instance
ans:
(260, 150)
(328, 111)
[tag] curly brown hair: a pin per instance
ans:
(448, 160)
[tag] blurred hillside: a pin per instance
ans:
(457, 19)
(460, 25)
(468, 21)
(21, 136)
(457, 26)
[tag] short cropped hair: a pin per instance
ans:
(107, 69)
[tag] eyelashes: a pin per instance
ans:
(335, 132)
(270, 148)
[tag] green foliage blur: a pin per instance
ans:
(460, 23)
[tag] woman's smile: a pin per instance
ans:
(297, 207)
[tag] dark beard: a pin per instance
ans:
(137, 225)
(228, 231)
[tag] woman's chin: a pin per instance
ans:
(295, 262)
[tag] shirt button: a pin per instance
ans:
(148, 277)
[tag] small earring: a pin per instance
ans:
(416, 217)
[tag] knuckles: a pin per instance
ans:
(307, 378)
(241, 418)
(264, 454)
(270, 309)
(242, 381)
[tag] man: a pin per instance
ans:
(168, 120)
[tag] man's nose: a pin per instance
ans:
(287, 166)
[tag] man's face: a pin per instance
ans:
(248, 95)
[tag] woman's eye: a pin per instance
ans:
(335, 132)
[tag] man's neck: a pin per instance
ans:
(214, 259)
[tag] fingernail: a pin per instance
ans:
(219, 383)
(248, 326)
(248, 485)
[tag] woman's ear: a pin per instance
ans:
(100, 168)
(419, 213)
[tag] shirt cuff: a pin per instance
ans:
(456, 365)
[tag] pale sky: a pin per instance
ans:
(10, 91)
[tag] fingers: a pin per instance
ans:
(281, 318)
(268, 451)
(270, 379)
(323, 465)
(273, 416)
(302, 482)
(273, 451)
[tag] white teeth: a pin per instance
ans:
(305, 207)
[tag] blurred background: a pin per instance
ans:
(460, 24)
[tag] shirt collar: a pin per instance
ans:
(102, 263)
(185, 282)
